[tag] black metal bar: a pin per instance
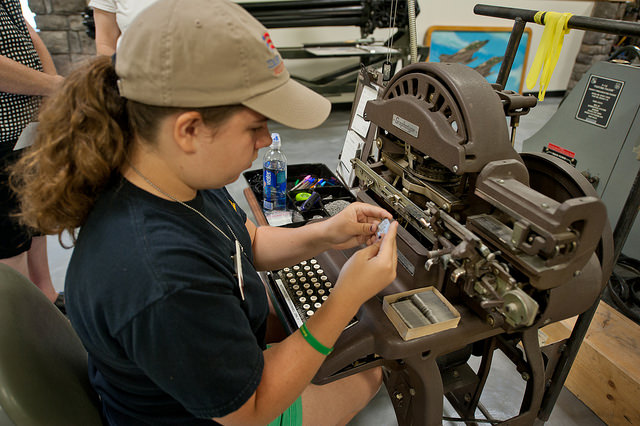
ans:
(324, 13)
(297, 5)
(510, 53)
(316, 22)
(577, 22)
(314, 13)
(566, 361)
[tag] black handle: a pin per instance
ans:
(610, 26)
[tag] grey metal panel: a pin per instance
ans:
(604, 152)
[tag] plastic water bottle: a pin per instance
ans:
(274, 177)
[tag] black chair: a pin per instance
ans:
(43, 365)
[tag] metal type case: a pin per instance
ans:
(514, 242)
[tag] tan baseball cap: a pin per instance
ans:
(201, 53)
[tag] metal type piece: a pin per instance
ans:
(383, 227)
(411, 314)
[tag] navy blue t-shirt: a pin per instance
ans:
(151, 291)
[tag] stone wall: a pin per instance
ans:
(62, 31)
(596, 46)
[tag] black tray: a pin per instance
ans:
(334, 190)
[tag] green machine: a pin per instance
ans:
(596, 129)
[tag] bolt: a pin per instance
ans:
(398, 396)
(456, 374)
(544, 205)
(455, 169)
(412, 392)
(500, 180)
(467, 397)
(525, 376)
(490, 321)
(576, 273)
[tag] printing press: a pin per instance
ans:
(368, 15)
(513, 242)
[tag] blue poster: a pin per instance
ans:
(482, 50)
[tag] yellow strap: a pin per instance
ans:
(538, 17)
(555, 28)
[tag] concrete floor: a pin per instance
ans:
(504, 389)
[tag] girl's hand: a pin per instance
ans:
(355, 225)
(370, 269)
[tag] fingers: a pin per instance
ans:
(372, 212)
(362, 229)
(369, 252)
(385, 247)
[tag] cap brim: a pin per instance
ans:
(293, 105)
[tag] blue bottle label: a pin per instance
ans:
(275, 187)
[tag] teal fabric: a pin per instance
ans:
(292, 415)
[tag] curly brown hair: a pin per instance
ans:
(85, 133)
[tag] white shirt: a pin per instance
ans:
(125, 10)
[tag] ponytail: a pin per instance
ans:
(82, 141)
(84, 136)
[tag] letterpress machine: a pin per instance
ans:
(513, 241)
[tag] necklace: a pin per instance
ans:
(237, 258)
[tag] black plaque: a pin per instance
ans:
(599, 100)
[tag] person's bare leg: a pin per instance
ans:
(38, 265)
(336, 403)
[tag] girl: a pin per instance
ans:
(153, 288)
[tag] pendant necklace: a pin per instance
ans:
(237, 258)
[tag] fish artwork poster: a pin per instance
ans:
(481, 48)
